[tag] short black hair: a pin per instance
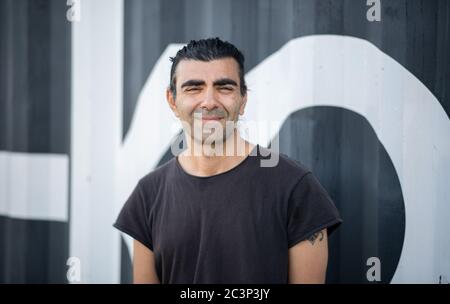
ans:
(208, 50)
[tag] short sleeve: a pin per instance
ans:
(133, 219)
(310, 210)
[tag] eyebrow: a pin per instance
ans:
(219, 82)
(224, 81)
(192, 83)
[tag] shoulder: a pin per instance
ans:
(281, 163)
(154, 179)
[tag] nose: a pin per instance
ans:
(209, 101)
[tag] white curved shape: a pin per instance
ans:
(409, 121)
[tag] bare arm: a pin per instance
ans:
(308, 260)
(144, 271)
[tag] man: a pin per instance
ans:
(218, 216)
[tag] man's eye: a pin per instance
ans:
(226, 89)
(192, 89)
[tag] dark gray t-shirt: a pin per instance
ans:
(233, 227)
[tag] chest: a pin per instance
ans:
(217, 219)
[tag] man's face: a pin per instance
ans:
(211, 89)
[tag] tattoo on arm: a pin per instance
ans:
(315, 236)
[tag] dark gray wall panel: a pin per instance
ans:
(35, 59)
(33, 251)
(34, 76)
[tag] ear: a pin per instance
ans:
(242, 107)
(171, 101)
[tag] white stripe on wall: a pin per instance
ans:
(97, 45)
(34, 186)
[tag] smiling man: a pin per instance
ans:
(213, 213)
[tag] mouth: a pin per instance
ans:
(212, 118)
